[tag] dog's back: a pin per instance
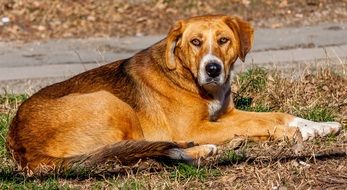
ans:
(75, 119)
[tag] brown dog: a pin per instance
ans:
(177, 90)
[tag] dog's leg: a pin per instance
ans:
(201, 151)
(193, 153)
(260, 126)
(310, 129)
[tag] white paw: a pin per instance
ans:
(211, 149)
(310, 129)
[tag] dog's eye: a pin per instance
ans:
(196, 42)
(222, 40)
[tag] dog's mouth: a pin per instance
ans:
(213, 81)
(211, 85)
(209, 81)
(214, 85)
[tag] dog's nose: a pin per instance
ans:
(213, 69)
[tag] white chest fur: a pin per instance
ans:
(214, 108)
(219, 103)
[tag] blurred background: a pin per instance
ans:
(28, 20)
(46, 41)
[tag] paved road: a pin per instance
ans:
(25, 65)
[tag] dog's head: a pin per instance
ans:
(208, 46)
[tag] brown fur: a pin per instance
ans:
(114, 111)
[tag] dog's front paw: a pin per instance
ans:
(310, 129)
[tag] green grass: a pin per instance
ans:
(315, 113)
(245, 103)
(34, 184)
(253, 79)
(8, 174)
(5, 120)
(319, 114)
(327, 140)
(189, 172)
(250, 82)
(132, 184)
(10, 101)
(13, 98)
(232, 156)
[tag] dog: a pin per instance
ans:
(151, 105)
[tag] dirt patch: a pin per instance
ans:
(32, 19)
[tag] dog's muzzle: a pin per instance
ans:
(211, 72)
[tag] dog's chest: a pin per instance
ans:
(214, 108)
(218, 105)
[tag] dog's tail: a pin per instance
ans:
(123, 153)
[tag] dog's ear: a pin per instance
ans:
(244, 31)
(171, 41)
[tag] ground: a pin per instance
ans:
(240, 164)
(34, 19)
(318, 94)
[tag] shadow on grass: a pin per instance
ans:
(229, 158)
(9, 174)
(278, 151)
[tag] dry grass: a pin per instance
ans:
(37, 19)
(323, 91)
(240, 164)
